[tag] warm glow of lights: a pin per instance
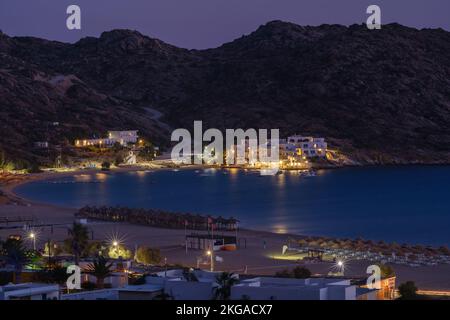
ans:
(141, 174)
(290, 257)
(208, 252)
(115, 239)
(33, 237)
(280, 229)
(340, 266)
(101, 176)
(82, 177)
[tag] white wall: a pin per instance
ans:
(108, 294)
(275, 293)
(183, 290)
(337, 292)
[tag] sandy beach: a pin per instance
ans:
(260, 255)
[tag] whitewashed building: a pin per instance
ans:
(121, 137)
(269, 288)
(29, 291)
(41, 144)
(201, 285)
(305, 146)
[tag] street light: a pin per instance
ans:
(33, 237)
(211, 254)
(341, 266)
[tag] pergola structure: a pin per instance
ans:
(206, 241)
(315, 254)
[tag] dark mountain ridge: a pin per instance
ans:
(379, 96)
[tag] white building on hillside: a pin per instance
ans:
(308, 147)
(41, 144)
(121, 137)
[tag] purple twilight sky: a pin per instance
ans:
(205, 23)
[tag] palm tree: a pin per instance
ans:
(53, 274)
(100, 269)
(225, 281)
(15, 254)
(79, 237)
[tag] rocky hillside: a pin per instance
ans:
(37, 104)
(379, 96)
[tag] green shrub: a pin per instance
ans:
(106, 165)
(148, 256)
(408, 290)
(119, 251)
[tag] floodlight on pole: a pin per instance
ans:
(341, 266)
(210, 253)
(33, 238)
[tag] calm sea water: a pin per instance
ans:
(403, 204)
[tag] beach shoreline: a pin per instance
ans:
(258, 257)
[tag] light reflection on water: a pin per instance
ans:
(402, 204)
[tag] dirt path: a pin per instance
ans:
(156, 116)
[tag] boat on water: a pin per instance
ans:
(308, 174)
